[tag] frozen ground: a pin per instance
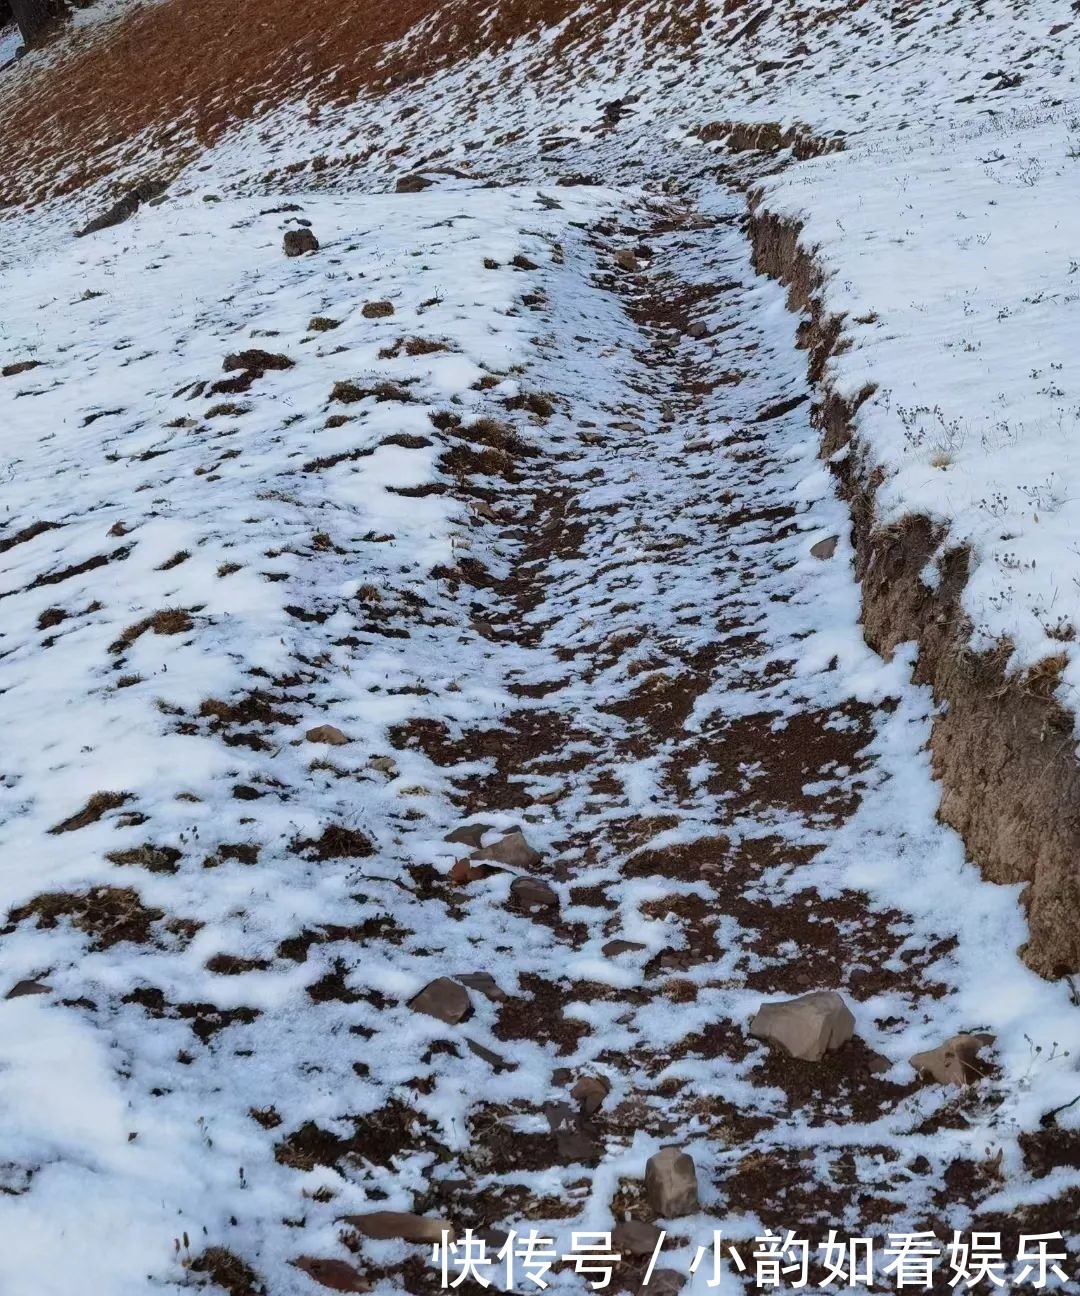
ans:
(544, 559)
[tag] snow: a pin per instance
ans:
(321, 586)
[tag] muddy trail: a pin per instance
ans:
(715, 774)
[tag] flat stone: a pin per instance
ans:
(531, 894)
(445, 1000)
(402, 1225)
(956, 1062)
(824, 548)
(616, 947)
(577, 1147)
(634, 1237)
(807, 1027)
(512, 850)
(335, 1275)
(327, 733)
(487, 1055)
(22, 988)
(671, 1183)
(485, 984)
(468, 834)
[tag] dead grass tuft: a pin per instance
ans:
(99, 804)
(169, 621)
(108, 915)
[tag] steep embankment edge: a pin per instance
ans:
(1002, 746)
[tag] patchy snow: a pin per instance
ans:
(612, 632)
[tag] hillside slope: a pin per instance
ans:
(521, 501)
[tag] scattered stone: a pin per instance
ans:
(462, 872)
(400, 1224)
(589, 1093)
(512, 850)
(335, 1275)
(626, 260)
(671, 1183)
(530, 894)
(299, 241)
(807, 1027)
(22, 988)
(468, 834)
(956, 1062)
(484, 983)
(413, 184)
(327, 733)
(697, 330)
(493, 1060)
(664, 1282)
(445, 1000)
(634, 1237)
(377, 310)
(824, 548)
(613, 948)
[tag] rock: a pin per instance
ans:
(576, 1147)
(616, 947)
(807, 1027)
(299, 241)
(589, 1093)
(445, 1000)
(697, 330)
(412, 184)
(956, 1062)
(20, 366)
(333, 1274)
(664, 1282)
(402, 1225)
(484, 983)
(384, 764)
(512, 850)
(527, 895)
(671, 1183)
(634, 1237)
(468, 834)
(377, 310)
(22, 988)
(493, 1059)
(626, 260)
(461, 872)
(327, 733)
(824, 548)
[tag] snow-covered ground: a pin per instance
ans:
(462, 487)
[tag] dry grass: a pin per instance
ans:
(108, 915)
(169, 621)
(98, 805)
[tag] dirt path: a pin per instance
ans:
(713, 767)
